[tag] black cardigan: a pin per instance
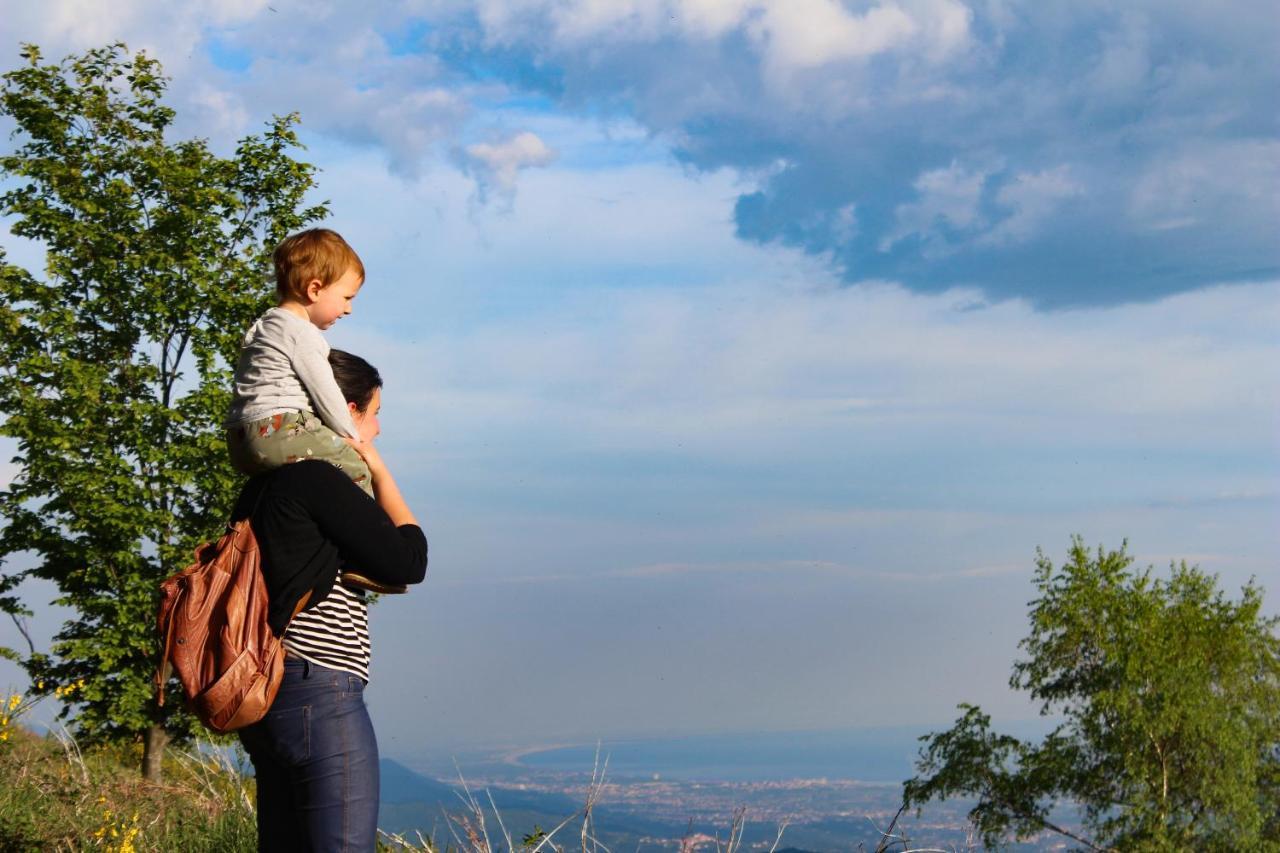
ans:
(310, 520)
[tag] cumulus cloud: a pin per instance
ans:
(1020, 149)
(495, 166)
(949, 201)
(1031, 198)
(235, 64)
(1200, 183)
(788, 35)
(815, 32)
(174, 30)
(362, 87)
(1067, 154)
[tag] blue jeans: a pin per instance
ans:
(316, 763)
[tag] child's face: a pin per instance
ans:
(327, 304)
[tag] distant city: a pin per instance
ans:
(684, 792)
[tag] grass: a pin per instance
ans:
(56, 797)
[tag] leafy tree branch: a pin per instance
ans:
(117, 362)
(1170, 696)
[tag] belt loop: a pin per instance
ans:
(306, 668)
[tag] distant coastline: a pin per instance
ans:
(515, 757)
(881, 755)
(875, 755)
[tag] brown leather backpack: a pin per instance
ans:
(213, 625)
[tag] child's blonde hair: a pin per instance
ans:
(317, 253)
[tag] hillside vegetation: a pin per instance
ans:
(56, 796)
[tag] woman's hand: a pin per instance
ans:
(385, 490)
(369, 454)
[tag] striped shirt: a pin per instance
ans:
(334, 633)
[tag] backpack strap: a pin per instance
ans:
(257, 500)
(302, 602)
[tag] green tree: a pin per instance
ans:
(114, 365)
(1170, 699)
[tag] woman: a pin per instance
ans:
(314, 754)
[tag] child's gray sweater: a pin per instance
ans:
(284, 367)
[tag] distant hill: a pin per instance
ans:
(411, 801)
(399, 784)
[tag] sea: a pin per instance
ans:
(882, 754)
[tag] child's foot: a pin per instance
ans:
(358, 581)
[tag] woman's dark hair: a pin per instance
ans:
(357, 379)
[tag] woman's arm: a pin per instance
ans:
(366, 536)
(384, 485)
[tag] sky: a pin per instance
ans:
(739, 354)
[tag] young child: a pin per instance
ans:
(285, 405)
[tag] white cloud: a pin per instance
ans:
(949, 198)
(922, 520)
(1123, 64)
(866, 97)
(331, 64)
(651, 320)
(1033, 197)
(497, 165)
(805, 33)
(1203, 182)
(711, 19)
(949, 208)
(173, 31)
(791, 35)
(215, 113)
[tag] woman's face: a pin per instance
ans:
(367, 421)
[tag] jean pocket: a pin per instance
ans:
(289, 732)
(354, 688)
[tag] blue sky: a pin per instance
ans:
(740, 353)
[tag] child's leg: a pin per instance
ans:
(261, 445)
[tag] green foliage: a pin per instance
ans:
(533, 837)
(115, 364)
(1170, 694)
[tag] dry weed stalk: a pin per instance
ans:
(593, 795)
(75, 758)
(737, 825)
(398, 840)
(470, 831)
(214, 774)
(782, 827)
(899, 842)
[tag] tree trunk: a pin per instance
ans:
(152, 752)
